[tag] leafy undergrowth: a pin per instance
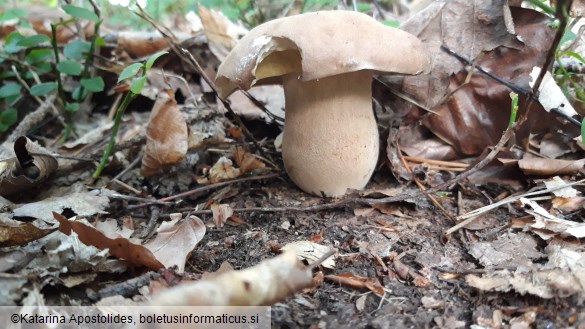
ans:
(195, 191)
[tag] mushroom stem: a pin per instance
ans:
(330, 140)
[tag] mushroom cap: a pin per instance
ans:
(318, 45)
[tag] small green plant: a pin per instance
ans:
(137, 73)
(513, 109)
(41, 63)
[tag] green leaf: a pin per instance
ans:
(71, 107)
(33, 40)
(77, 95)
(99, 41)
(11, 42)
(12, 13)
(38, 55)
(574, 55)
(129, 71)
(43, 88)
(79, 12)
(137, 85)
(152, 58)
(568, 36)
(76, 49)
(583, 131)
(10, 89)
(391, 22)
(42, 68)
(94, 85)
(69, 67)
(9, 117)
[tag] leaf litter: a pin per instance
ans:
(519, 261)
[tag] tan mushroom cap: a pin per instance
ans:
(318, 45)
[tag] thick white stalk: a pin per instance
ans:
(330, 140)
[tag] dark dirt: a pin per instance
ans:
(448, 301)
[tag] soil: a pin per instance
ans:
(435, 293)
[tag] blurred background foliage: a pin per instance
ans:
(249, 12)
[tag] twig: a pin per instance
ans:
(472, 215)
(205, 189)
(126, 288)
(437, 162)
(127, 169)
(422, 187)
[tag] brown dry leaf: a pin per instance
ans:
(569, 204)
(175, 240)
(140, 43)
(357, 282)
(221, 213)
(271, 96)
(549, 167)
(166, 135)
(468, 28)
(222, 34)
(263, 284)
(477, 112)
(13, 233)
(246, 160)
(118, 247)
(223, 170)
(31, 165)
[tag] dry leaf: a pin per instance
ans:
(555, 183)
(245, 160)
(222, 170)
(310, 251)
(547, 225)
(357, 282)
(221, 213)
(222, 34)
(81, 203)
(166, 135)
(31, 165)
(263, 284)
(118, 247)
(549, 167)
(175, 240)
(13, 233)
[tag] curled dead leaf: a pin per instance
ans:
(166, 135)
(32, 165)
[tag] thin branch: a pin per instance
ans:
(205, 189)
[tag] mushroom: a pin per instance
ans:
(325, 61)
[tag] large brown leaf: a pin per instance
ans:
(118, 247)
